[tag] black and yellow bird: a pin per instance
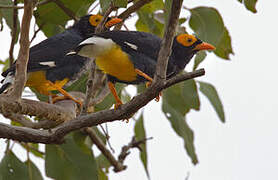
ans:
(48, 67)
(130, 56)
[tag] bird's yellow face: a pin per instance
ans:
(186, 40)
(95, 19)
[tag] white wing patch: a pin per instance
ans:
(133, 46)
(8, 79)
(99, 41)
(48, 63)
(95, 46)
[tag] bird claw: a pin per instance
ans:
(60, 98)
(117, 105)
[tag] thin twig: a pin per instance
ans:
(133, 144)
(124, 15)
(107, 136)
(92, 79)
(97, 4)
(11, 7)
(118, 166)
(36, 32)
(14, 33)
(68, 11)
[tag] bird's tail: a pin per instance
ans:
(7, 82)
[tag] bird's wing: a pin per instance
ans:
(50, 52)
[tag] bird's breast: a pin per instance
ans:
(116, 63)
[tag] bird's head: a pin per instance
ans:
(192, 43)
(87, 24)
(185, 46)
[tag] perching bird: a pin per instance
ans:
(48, 67)
(130, 56)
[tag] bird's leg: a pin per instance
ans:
(114, 93)
(150, 80)
(65, 93)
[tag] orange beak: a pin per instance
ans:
(204, 46)
(113, 22)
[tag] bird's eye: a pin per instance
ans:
(189, 40)
(97, 20)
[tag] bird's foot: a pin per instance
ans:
(157, 98)
(60, 98)
(117, 104)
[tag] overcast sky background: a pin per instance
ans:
(245, 147)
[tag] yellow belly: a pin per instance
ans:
(116, 63)
(38, 81)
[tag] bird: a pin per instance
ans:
(130, 57)
(48, 67)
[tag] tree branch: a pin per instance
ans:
(93, 80)
(23, 56)
(68, 11)
(56, 135)
(8, 106)
(133, 144)
(118, 166)
(13, 33)
(167, 41)
(124, 15)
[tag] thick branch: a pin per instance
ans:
(9, 106)
(23, 56)
(57, 134)
(167, 41)
(184, 77)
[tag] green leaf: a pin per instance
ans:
(177, 101)
(167, 7)
(141, 134)
(200, 57)
(224, 47)
(73, 160)
(102, 175)
(53, 19)
(103, 163)
(120, 3)
(11, 168)
(210, 92)
(7, 14)
(180, 126)
(250, 5)
(190, 95)
(187, 94)
(109, 100)
(33, 148)
(104, 4)
(79, 85)
(208, 25)
(147, 21)
(34, 172)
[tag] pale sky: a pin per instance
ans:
(245, 147)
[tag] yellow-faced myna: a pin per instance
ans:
(130, 56)
(48, 67)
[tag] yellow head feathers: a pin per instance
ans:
(186, 40)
